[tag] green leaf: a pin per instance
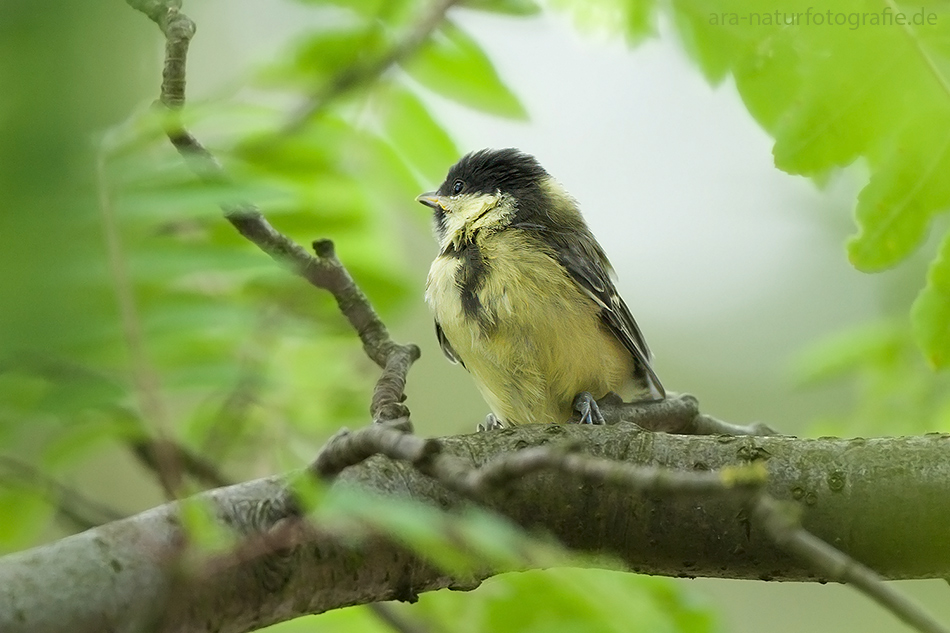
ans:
(371, 9)
(930, 314)
(350, 619)
(31, 513)
(458, 543)
(416, 136)
(453, 65)
(632, 18)
(896, 207)
(565, 599)
(506, 7)
(205, 533)
(639, 20)
(874, 344)
(839, 84)
(326, 53)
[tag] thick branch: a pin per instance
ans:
(834, 565)
(886, 502)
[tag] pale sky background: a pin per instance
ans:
(729, 265)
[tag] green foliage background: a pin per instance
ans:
(253, 369)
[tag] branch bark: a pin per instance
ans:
(885, 502)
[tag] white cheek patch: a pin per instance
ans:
(469, 212)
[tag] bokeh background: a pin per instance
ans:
(735, 270)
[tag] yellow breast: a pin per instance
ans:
(537, 340)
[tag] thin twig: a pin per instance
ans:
(678, 413)
(74, 508)
(147, 383)
(397, 621)
(504, 469)
(150, 450)
(323, 270)
(347, 449)
(785, 530)
(229, 422)
(361, 74)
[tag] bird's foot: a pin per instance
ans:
(588, 409)
(490, 424)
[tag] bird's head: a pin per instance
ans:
(491, 189)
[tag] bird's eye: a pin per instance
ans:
(457, 187)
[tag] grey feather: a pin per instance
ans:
(446, 346)
(587, 264)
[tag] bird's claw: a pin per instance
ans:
(490, 424)
(587, 408)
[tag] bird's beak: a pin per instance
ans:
(431, 200)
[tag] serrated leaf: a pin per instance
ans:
(930, 314)
(841, 84)
(453, 65)
(896, 207)
(715, 48)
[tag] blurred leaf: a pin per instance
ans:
(634, 19)
(453, 65)
(931, 311)
(456, 543)
(569, 600)
(324, 55)
(423, 143)
(874, 344)
(892, 389)
(90, 432)
(204, 530)
(351, 619)
(31, 514)
(372, 9)
(506, 7)
(838, 84)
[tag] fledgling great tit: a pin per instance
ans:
(523, 298)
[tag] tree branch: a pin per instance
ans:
(677, 413)
(323, 270)
(348, 453)
(834, 565)
(149, 451)
(858, 494)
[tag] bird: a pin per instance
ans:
(523, 297)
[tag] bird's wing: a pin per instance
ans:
(446, 346)
(587, 265)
